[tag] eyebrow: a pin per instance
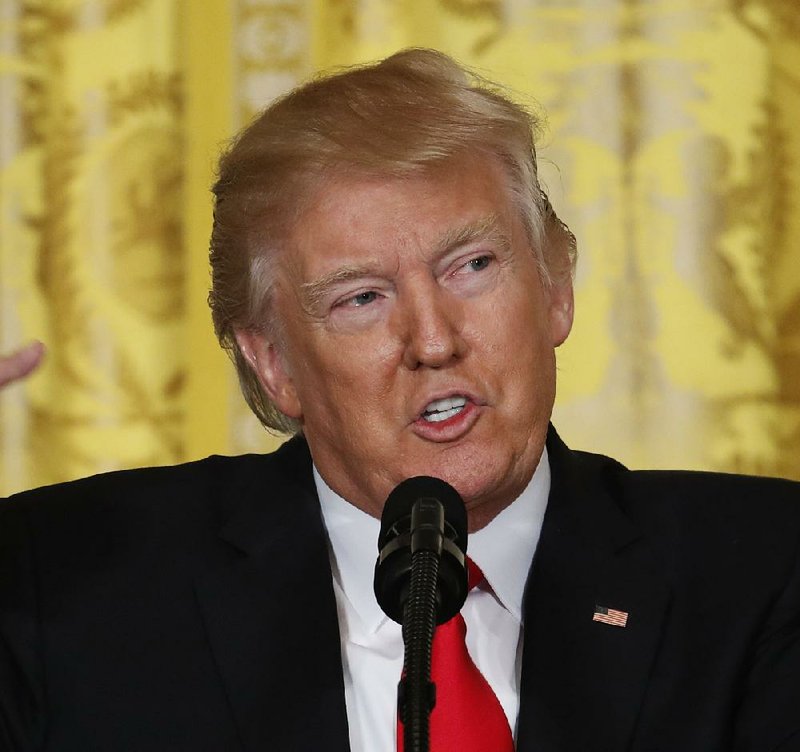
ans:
(314, 292)
(485, 228)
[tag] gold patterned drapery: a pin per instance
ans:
(672, 151)
(92, 251)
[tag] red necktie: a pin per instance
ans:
(468, 716)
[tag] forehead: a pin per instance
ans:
(379, 217)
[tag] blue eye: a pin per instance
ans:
(479, 264)
(363, 298)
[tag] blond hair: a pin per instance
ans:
(396, 118)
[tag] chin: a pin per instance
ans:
(471, 486)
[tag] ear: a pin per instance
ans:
(269, 365)
(562, 310)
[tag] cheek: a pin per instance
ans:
(368, 362)
(346, 378)
(514, 325)
(525, 355)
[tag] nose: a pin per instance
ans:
(431, 321)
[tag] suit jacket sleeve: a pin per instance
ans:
(21, 684)
(708, 568)
(769, 717)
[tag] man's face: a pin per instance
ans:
(417, 337)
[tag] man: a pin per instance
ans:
(392, 283)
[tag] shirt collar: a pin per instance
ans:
(353, 536)
(503, 549)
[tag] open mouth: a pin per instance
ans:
(443, 409)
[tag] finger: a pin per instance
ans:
(20, 363)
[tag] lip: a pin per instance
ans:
(453, 428)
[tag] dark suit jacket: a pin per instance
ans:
(191, 608)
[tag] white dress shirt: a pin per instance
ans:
(372, 644)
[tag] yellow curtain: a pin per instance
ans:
(92, 255)
(672, 151)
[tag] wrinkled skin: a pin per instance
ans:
(398, 292)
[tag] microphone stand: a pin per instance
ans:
(416, 693)
(420, 581)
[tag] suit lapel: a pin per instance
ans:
(271, 614)
(583, 681)
(272, 624)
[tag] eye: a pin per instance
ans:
(479, 263)
(362, 299)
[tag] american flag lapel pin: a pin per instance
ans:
(610, 616)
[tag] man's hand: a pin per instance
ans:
(20, 363)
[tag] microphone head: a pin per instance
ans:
(393, 568)
(401, 500)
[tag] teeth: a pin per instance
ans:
(442, 409)
(438, 417)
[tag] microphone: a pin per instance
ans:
(422, 513)
(421, 581)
